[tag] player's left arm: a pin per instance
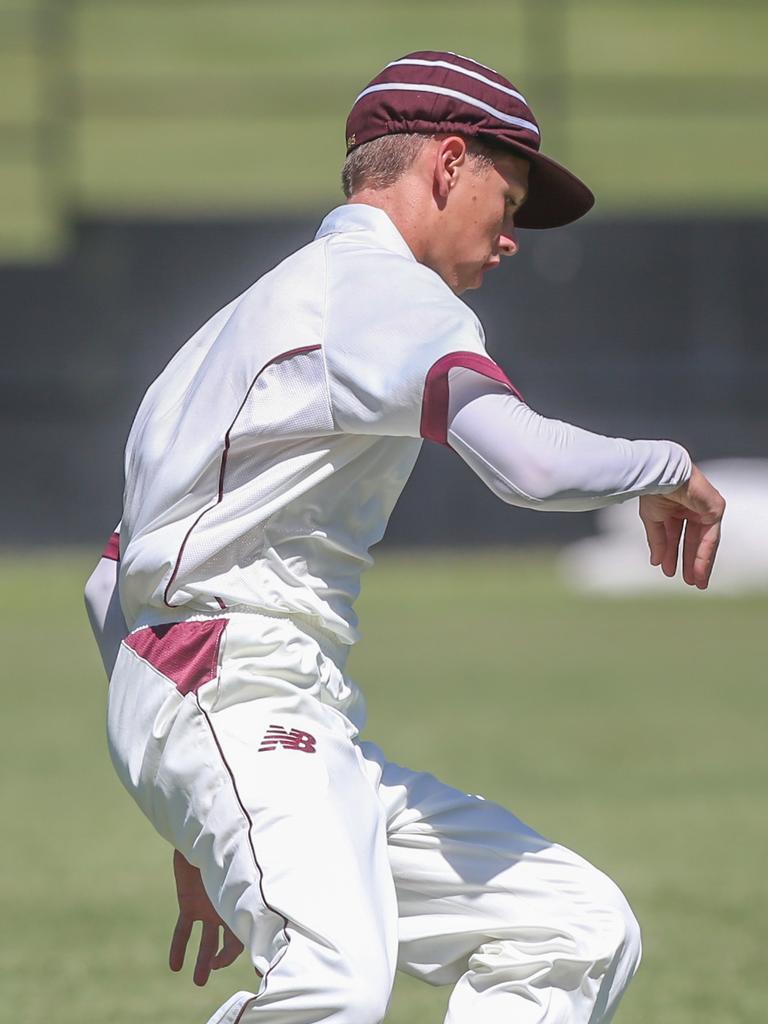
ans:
(693, 512)
(535, 462)
(102, 602)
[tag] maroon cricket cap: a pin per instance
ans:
(431, 91)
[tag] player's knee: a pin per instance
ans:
(631, 948)
(366, 1006)
(363, 996)
(350, 989)
(613, 931)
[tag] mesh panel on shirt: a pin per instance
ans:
(278, 446)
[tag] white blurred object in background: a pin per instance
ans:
(616, 560)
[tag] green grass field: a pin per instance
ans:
(187, 108)
(632, 730)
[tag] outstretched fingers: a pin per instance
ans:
(673, 529)
(695, 507)
(231, 949)
(179, 942)
(699, 551)
(663, 535)
(206, 953)
(656, 536)
(209, 956)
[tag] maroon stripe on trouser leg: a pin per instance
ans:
(259, 869)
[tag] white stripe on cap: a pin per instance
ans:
(462, 71)
(471, 60)
(519, 122)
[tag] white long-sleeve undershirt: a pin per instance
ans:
(545, 464)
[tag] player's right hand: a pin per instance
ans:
(194, 905)
(696, 507)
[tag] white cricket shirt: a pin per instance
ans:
(265, 460)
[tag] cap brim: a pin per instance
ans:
(555, 196)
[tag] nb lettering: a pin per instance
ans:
(290, 739)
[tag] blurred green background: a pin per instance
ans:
(190, 107)
(632, 730)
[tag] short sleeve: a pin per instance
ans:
(435, 401)
(390, 346)
(112, 547)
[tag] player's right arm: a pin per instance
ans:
(102, 602)
(218, 945)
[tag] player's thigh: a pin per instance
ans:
(295, 799)
(468, 872)
(272, 805)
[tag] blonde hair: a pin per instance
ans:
(379, 163)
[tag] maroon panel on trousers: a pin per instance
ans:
(434, 405)
(187, 653)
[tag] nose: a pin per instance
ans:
(508, 245)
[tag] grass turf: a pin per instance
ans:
(632, 730)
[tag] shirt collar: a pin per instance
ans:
(370, 219)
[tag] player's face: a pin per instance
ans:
(480, 228)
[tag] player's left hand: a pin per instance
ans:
(194, 905)
(696, 509)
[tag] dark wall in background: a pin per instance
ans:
(637, 328)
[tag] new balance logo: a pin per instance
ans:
(293, 739)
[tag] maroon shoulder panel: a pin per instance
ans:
(186, 652)
(434, 406)
(112, 550)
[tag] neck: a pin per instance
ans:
(404, 211)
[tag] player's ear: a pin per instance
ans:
(450, 159)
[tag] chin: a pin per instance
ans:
(469, 280)
(473, 285)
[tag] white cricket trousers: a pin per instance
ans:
(336, 867)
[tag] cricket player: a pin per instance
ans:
(262, 465)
